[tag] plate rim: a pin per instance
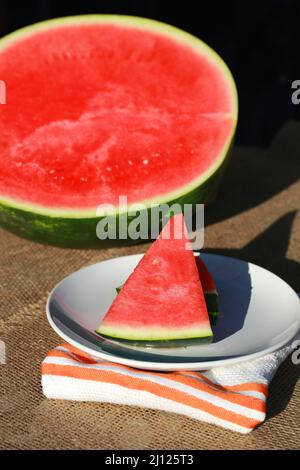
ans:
(168, 366)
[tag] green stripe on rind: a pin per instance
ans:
(152, 334)
(77, 228)
(213, 316)
(183, 343)
(212, 305)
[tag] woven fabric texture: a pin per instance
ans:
(254, 218)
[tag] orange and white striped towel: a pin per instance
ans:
(232, 397)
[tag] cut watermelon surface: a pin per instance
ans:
(103, 106)
(209, 290)
(162, 300)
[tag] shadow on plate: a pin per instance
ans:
(233, 298)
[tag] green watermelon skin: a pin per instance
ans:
(77, 229)
(168, 343)
(79, 232)
(212, 305)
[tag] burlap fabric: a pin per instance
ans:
(254, 218)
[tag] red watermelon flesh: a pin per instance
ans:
(208, 284)
(162, 299)
(209, 290)
(100, 109)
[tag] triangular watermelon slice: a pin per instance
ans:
(162, 300)
(209, 290)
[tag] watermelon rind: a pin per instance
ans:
(154, 333)
(70, 227)
(169, 343)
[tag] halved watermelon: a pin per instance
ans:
(209, 289)
(162, 300)
(102, 106)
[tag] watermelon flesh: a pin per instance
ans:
(209, 290)
(107, 107)
(162, 300)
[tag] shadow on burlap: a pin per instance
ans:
(265, 230)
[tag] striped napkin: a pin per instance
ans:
(233, 397)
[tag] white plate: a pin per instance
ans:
(259, 314)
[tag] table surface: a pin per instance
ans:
(254, 218)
